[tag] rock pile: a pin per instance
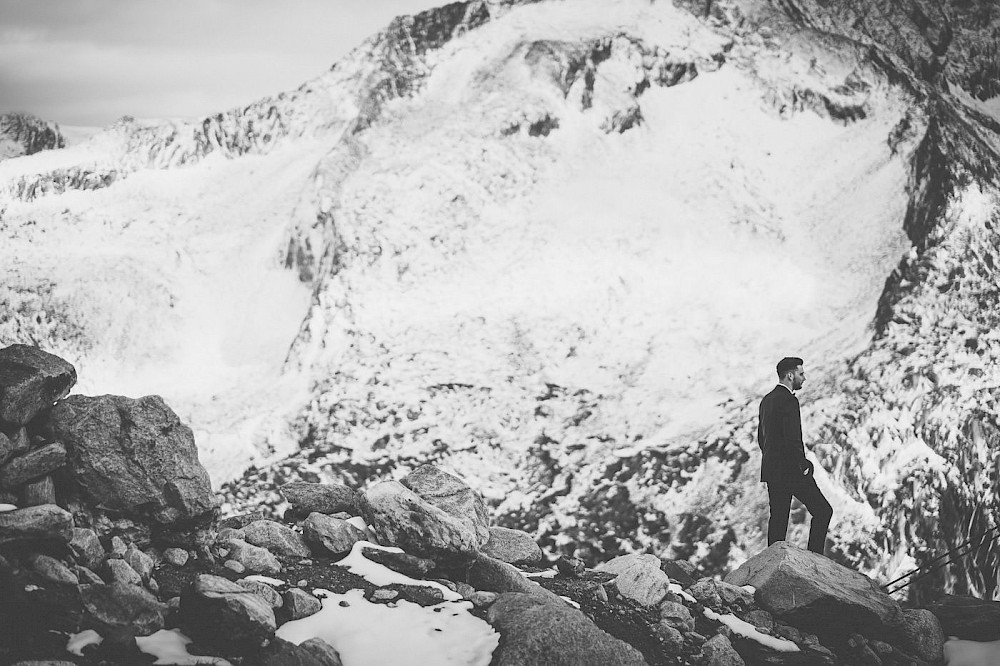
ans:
(110, 542)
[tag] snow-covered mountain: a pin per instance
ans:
(558, 247)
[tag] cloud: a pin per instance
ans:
(90, 62)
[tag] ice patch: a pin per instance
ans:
(81, 640)
(380, 575)
(747, 630)
(170, 647)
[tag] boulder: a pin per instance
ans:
(327, 535)
(283, 653)
(538, 633)
(121, 610)
(921, 635)
(178, 557)
(327, 498)
(119, 571)
(404, 563)
(264, 591)
(46, 522)
(816, 594)
(718, 651)
(253, 558)
(400, 517)
(139, 561)
(512, 546)
(39, 491)
(326, 653)
(132, 457)
(52, 569)
(277, 538)
(638, 577)
(300, 604)
(30, 381)
(675, 614)
(491, 575)
(31, 465)
(219, 612)
(453, 496)
(87, 547)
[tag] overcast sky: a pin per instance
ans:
(89, 62)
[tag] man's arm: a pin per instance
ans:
(791, 436)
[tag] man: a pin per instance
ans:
(784, 466)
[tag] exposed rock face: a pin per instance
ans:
(132, 458)
(536, 633)
(817, 594)
(30, 381)
(23, 134)
(399, 517)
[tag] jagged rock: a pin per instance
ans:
(453, 496)
(968, 618)
(87, 547)
(718, 651)
(512, 546)
(733, 597)
(47, 522)
(277, 538)
(676, 615)
(30, 381)
(491, 575)
(817, 594)
(264, 591)
(139, 561)
(176, 556)
(300, 604)
(760, 619)
(39, 491)
(921, 635)
(132, 457)
(31, 465)
(253, 558)
(328, 535)
(638, 577)
(219, 612)
(399, 517)
(52, 569)
(481, 599)
(118, 546)
(404, 563)
(706, 592)
(119, 571)
(536, 633)
(123, 610)
(570, 566)
(234, 566)
(327, 498)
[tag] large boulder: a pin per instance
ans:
(277, 538)
(920, 635)
(223, 613)
(327, 535)
(400, 517)
(639, 577)
(816, 594)
(968, 618)
(132, 457)
(121, 610)
(30, 381)
(453, 496)
(538, 633)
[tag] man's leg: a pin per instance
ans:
(819, 508)
(780, 498)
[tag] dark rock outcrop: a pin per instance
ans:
(30, 381)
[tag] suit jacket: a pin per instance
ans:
(779, 435)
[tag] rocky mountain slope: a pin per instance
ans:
(22, 134)
(557, 247)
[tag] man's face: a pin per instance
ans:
(798, 378)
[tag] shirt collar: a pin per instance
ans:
(786, 388)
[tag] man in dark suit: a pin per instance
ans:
(784, 466)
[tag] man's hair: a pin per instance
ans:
(788, 364)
